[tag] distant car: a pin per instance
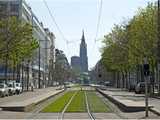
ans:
(107, 83)
(4, 91)
(18, 88)
(140, 88)
(11, 87)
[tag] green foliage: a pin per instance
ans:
(78, 103)
(127, 44)
(96, 103)
(59, 104)
(16, 40)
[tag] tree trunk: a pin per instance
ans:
(123, 79)
(6, 68)
(18, 73)
(28, 75)
(152, 80)
(13, 72)
(22, 79)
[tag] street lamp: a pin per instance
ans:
(39, 65)
(39, 52)
(146, 74)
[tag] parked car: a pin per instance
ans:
(140, 88)
(18, 88)
(11, 87)
(4, 91)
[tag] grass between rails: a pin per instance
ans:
(78, 103)
(59, 104)
(96, 104)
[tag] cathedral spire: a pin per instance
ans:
(83, 37)
(83, 54)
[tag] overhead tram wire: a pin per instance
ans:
(98, 24)
(99, 19)
(54, 21)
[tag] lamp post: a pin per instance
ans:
(39, 54)
(146, 74)
(39, 65)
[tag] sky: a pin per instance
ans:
(73, 16)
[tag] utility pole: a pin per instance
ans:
(146, 74)
(52, 56)
(39, 56)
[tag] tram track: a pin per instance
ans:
(61, 115)
(71, 106)
(91, 116)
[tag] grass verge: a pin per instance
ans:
(78, 103)
(96, 104)
(59, 104)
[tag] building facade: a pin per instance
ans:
(39, 66)
(100, 75)
(75, 63)
(83, 55)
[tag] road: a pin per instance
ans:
(115, 113)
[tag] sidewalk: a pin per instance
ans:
(129, 101)
(27, 100)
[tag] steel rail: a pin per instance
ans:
(60, 116)
(88, 109)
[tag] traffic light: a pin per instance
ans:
(99, 75)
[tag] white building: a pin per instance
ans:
(39, 65)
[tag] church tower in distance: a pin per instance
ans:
(83, 55)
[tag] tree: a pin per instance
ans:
(127, 44)
(16, 41)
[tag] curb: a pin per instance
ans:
(155, 111)
(29, 107)
(122, 106)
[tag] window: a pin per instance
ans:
(14, 7)
(3, 7)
